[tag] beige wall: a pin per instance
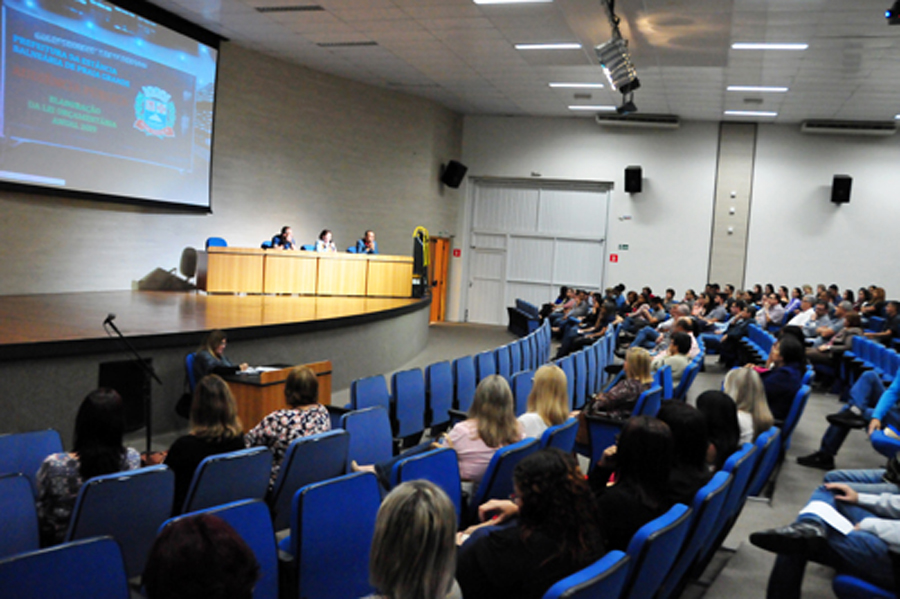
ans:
(291, 146)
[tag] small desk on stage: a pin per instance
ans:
(258, 395)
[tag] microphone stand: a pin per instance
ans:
(148, 368)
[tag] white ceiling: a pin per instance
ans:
(461, 54)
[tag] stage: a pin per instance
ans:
(51, 345)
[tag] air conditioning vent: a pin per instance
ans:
(878, 128)
(650, 121)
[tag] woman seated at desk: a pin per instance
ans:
(324, 242)
(210, 357)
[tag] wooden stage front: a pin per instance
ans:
(52, 346)
(61, 324)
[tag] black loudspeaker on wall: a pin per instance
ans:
(840, 189)
(453, 174)
(633, 179)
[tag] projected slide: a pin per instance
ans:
(98, 99)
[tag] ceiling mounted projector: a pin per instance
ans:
(616, 63)
(893, 14)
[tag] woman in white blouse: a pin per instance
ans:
(548, 402)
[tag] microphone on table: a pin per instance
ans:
(109, 318)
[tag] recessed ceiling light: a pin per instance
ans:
(559, 46)
(594, 108)
(767, 46)
(578, 85)
(749, 113)
(512, 1)
(756, 88)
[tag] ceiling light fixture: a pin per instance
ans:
(593, 108)
(749, 113)
(555, 46)
(756, 88)
(893, 14)
(767, 46)
(615, 59)
(578, 85)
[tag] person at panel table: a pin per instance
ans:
(367, 245)
(324, 242)
(210, 357)
(285, 239)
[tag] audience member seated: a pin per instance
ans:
(304, 416)
(771, 315)
(805, 313)
(868, 391)
(215, 429)
(651, 339)
(367, 245)
(689, 298)
(491, 424)
(745, 387)
(210, 357)
(722, 426)
(285, 240)
(621, 399)
(822, 326)
(783, 375)
(876, 304)
(642, 463)
(575, 337)
(891, 325)
(731, 349)
(548, 402)
(689, 468)
(862, 552)
(550, 530)
(97, 449)
(648, 314)
(676, 357)
(862, 297)
(717, 310)
(560, 308)
(669, 301)
(832, 351)
(413, 549)
(200, 556)
(571, 313)
(324, 243)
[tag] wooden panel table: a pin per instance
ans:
(258, 395)
(389, 276)
(230, 270)
(290, 271)
(342, 274)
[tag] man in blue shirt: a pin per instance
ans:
(367, 245)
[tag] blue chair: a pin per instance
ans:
(228, 477)
(252, 521)
(502, 362)
(485, 365)
(216, 242)
(351, 249)
(604, 578)
(883, 444)
(370, 436)
(793, 417)
(438, 393)
(308, 247)
(307, 460)
(497, 482)
(440, 466)
(128, 506)
(332, 524)
(526, 346)
(579, 360)
(89, 569)
(706, 507)
(603, 430)
(368, 392)
(515, 356)
(768, 447)
(189, 370)
(408, 388)
(663, 378)
(464, 383)
(653, 550)
(846, 586)
(521, 388)
(561, 436)
(266, 245)
(25, 452)
(687, 379)
(18, 516)
(568, 367)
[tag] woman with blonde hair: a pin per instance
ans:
(745, 387)
(548, 402)
(413, 549)
(491, 424)
(215, 429)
